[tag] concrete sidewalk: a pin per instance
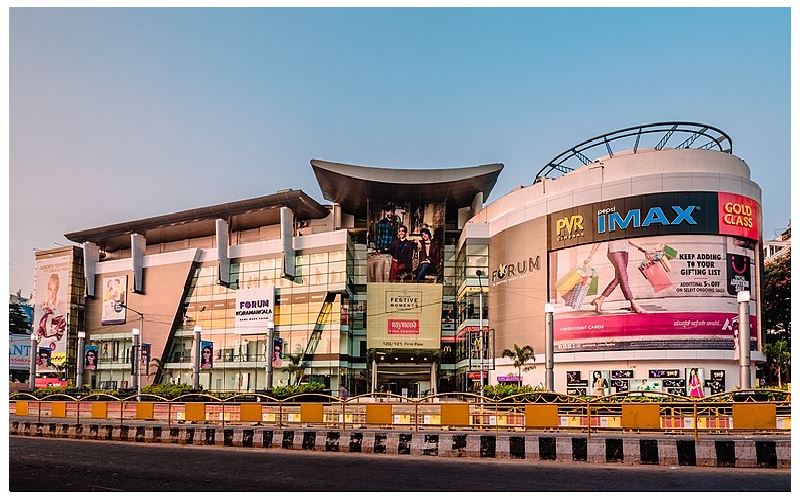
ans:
(629, 448)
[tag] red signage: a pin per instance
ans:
(403, 326)
(738, 216)
(474, 375)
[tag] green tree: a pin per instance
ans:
(776, 300)
(520, 356)
(18, 320)
(296, 366)
(779, 358)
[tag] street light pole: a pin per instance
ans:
(196, 373)
(549, 309)
(478, 273)
(79, 375)
(135, 358)
(34, 357)
(137, 345)
(270, 353)
(744, 339)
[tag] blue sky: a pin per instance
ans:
(119, 114)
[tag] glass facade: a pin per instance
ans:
(240, 360)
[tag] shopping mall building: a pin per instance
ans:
(640, 238)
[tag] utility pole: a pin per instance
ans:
(744, 340)
(549, 377)
(34, 357)
(196, 373)
(81, 367)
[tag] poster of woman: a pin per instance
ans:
(206, 355)
(90, 357)
(694, 382)
(600, 386)
(114, 291)
(51, 306)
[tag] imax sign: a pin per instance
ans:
(609, 220)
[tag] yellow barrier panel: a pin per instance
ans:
(379, 414)
(641, 416)
(58, 409)
(21, 409)
(99, 410)
(455, 414)
(144, 411)
(195, 411)
(250, 412)
(754, 416)
(311, 413)
(541, 415)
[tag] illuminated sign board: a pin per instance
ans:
(655, 214)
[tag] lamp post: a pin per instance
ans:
(270, 353)
(478, 273)
(79, 375)
(137, 342)
(549, 309)
(137, 345)
(196, 372)
(34, 356)
(744, 339)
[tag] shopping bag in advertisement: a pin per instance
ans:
(574, 298)
(568, 282)
(655, 274)
(594, 283)
(670, 252)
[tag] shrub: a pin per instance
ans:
(169, 391)
(285, 391)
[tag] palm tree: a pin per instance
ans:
(295, 367)
(779, 357)
(520, 356)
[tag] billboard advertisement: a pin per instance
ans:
(404, 315)
(254, 310)
(206, 355)
(659, 292)
(114, 291)
(405, 241)
(518, 284)
(655, 214)
(90, 357)
(19, 352)
(51, 306)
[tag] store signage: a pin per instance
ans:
(610, 218)
(516, 269)
(672, 373)
(738, 216)
(738, 267)
(254, 310)
(655, 214)
(569, 227)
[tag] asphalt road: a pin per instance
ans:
(47, 464)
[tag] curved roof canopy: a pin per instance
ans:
(351, 185)
(199, 222)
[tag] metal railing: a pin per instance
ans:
(755, 411)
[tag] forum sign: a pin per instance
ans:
(254, 310)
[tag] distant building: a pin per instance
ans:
(780, 246)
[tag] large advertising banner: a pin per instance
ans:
(254, 310)
(662, 292)
(19, 352)
(114, 291)
(51, 305)
(656, 214)
(404, 315)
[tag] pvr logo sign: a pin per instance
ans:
(569, 227)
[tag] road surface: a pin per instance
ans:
(47, 464)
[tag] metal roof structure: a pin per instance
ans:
(665, 135)
(351, 185)
(199, 222)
